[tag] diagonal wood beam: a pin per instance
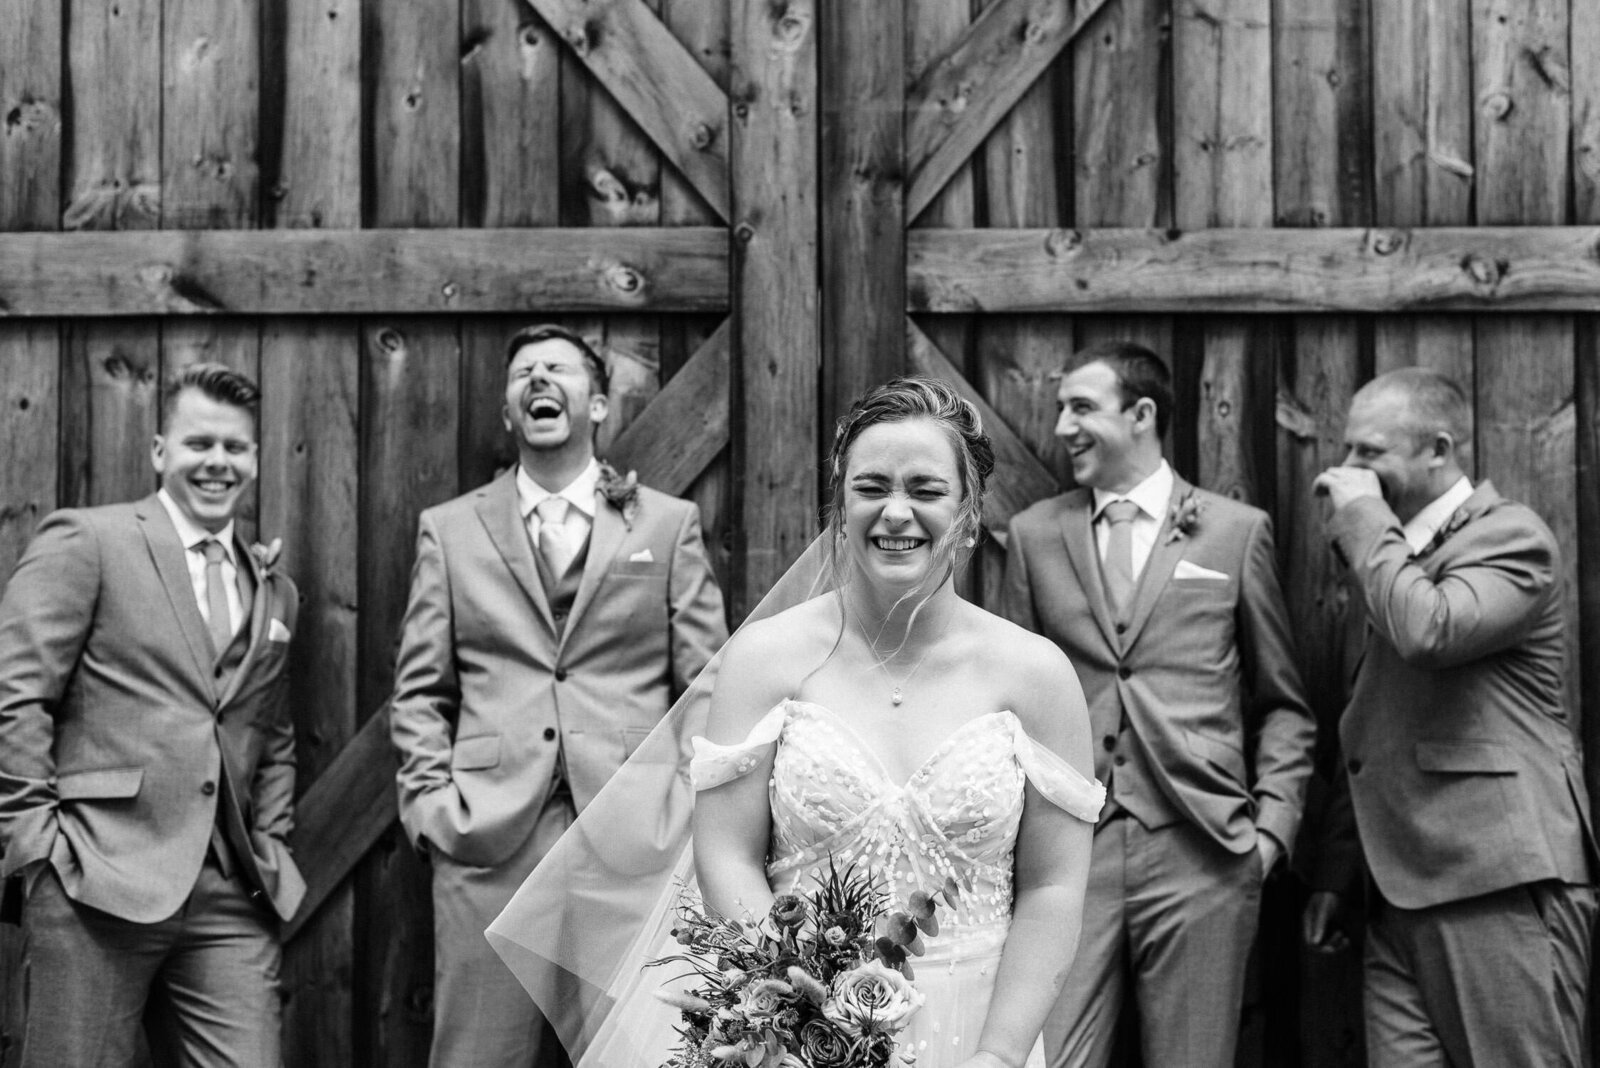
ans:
(353, 802)
(685, 425)
(657, 82)
(968, 89)
(1019, 478)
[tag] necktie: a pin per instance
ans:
(1118, 564)
(553, 543)
(220, 625)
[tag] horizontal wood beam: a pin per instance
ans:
(1019, 478)
(311, 272)
(964, 93)
(1467, 269)
(656, 81)
(685, 425)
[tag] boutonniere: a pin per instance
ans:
(1457, 520)
(267, 555)
(1183, 517)
(622, 493)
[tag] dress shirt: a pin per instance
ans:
(1152, 496)
(1426, 523)
(192, 534)
(579, 495)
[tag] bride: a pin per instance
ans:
(888, 721)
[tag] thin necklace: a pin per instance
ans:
(897, 693)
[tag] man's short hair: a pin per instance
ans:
(1140, 373)
(599, 377)
(222, 384)
(1435, 402)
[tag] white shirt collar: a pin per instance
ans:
(192, 533)
(579, 493)
(1426, 523)
(1151, 495)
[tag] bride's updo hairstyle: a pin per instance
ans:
(897, 400)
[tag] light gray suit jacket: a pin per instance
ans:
(1205, 669)
(114, 735)
(1459, 758)
(486, 692)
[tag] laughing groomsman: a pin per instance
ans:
(147, 757)
(555, 615)
(1461, 782)
(1165, 598)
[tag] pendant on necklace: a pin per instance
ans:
(896, 697)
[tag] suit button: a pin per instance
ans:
(1122, 628)
(561, 674)
(1120, 761)
(208, 788)
(1124, 671)
(549, 734)
(1110, 742)
(559, 615)
(1354, 767)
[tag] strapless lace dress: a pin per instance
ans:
(957, 816)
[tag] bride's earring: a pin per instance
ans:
(971, 542)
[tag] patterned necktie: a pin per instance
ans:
(1118, 564)
(553, 543)
(220, 625)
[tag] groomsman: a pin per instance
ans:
(1165, 599)
(147, 757)
(555, 614)
(1461, 781)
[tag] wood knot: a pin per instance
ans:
(389, 341)
(582, 37)
(702, 136)
(1483, 272)
(745, 233)
(1387, 242)
(789, 32)
(1497, 106)
(450, 291)
(1061, 243)
(623, 280)
(1032, 32)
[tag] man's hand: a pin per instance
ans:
(1317, 924)
(1345, 484)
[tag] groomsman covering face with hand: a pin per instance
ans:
(147, 757)
(555, 614)
(1165, 599)
(1461, 781)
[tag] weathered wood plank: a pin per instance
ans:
(960, 97)
(685, 426)
(774, 178)
(656, 81)
(1585, 57)
(862, 166)
(210, 74)
(1525, 417)
(1019, 478)
(110, 385)
(1585, 37)
(409, 434)
(311, 114)
(1492, 268)
(30, 398)
(510, 116)
(310, 381)
(30, 102)
(414, 114)
(363, 271)
(114, 166)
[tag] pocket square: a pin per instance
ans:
(643, 556)
(277, 632)
(1187, 570)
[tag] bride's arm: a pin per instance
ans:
(733, 822)
(1052, 867)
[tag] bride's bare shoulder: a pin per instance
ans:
(791, 642)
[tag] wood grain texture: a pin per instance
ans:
(776, 324)
(311, 114)
(1499, 269)
(30, 111)
(113, 174)
(656, 81)
(1587, 425)
(110, 376)
(411, 58)
(409, 434)
(1584, 30)
(670, 443)
(510, 116)
(310, 381)
(960, 96)
(364, 271)
(30, 397)
(862, 169)
(211, 51)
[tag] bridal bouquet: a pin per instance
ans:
(823, 981)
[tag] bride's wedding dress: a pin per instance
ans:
(957, 816)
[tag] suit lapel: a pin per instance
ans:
(1164, 557)
(166, 551)
(604, 540)
(259, 608)
(1085, 557)
(502, 519)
